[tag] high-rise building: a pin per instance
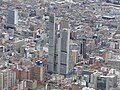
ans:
(52, 44)
(7, 79)
(83, 47)
(12, 18)
(59, 60)
(64, 56)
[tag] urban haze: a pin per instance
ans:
(59, 44)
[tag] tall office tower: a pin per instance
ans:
(12, 17)
(83, 47)
(59, 60)
(52, 45)
(64, 60)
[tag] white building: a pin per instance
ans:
(104, 82)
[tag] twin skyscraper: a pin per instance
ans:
(59, 58)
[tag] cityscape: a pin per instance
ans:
(59, 44)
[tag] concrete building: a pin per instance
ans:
(83, 47)
(59, 47)
(12, 18)
(52, 44)
(104, 82)
(64, 59)
(7, 79)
